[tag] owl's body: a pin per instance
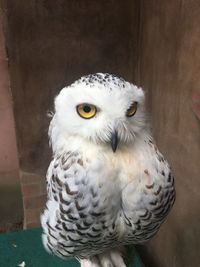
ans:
(99, 200)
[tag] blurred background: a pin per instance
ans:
(46, 44)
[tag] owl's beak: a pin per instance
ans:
(114, 141)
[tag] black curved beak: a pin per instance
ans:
(114, 141)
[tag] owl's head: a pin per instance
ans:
(101, 108)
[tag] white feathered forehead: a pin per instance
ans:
(100, 89)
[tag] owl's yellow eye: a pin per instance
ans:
(132, 110)
(86, 111)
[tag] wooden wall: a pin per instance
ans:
(11, 209)
(169, 69)
(153, 43)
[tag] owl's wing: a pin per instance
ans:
(62, 174)
(79, 215)
(154, 195)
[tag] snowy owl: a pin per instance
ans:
(108, 185)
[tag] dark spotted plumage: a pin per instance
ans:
(85, 221)
(102, 79)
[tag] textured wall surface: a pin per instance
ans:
(169, 69)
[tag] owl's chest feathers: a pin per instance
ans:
(120, 167)
(123, 165)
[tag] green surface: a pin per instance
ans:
(27, 246)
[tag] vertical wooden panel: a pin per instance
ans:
(169, 70)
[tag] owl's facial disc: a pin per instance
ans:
(89, 111)
(101, 109)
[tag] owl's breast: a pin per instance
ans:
(99, 199)
(141, 184)
(119, 168)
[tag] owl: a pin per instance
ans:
(108, 185)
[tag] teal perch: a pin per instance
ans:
(25, 247)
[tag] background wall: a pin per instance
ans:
(169, 69)
(50, 44)
(11, 210)
(155, 44)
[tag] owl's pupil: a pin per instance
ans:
(86, 109)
